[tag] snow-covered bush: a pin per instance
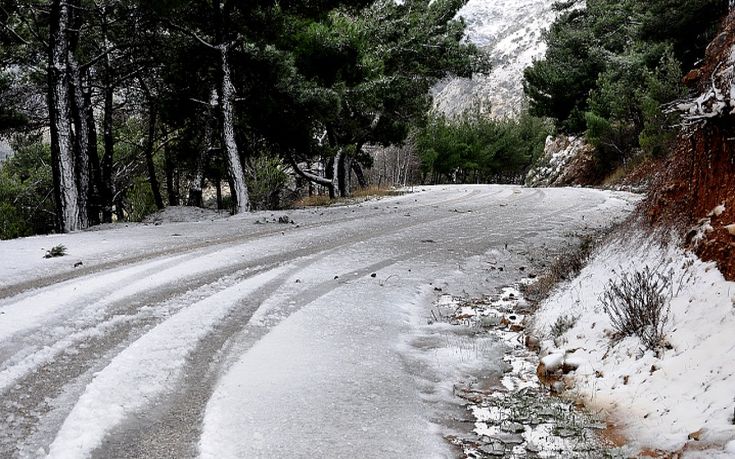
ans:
(638, 305)
(563, 324)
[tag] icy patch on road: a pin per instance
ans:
(325, 382)
(146, 370)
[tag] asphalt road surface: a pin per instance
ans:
(245, 337)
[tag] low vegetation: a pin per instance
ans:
(638, 305)
(477, 149)
(564, 267)
(56, 251)
(322, 200)
(26, 192)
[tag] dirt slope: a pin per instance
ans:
(700, 175)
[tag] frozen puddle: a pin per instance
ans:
(511, 415)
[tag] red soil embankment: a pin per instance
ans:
(700, 174)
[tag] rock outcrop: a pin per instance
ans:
(567, 161)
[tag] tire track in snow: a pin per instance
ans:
(52, 377)
(147, 369)
(173, 428)
(63, 368)
(372, 229)
(164, 432)
(18, 288)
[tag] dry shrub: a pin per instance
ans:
(565, 267)
(563, 324)
(358, 194)
(375, 191)
(317, 200)
(638, 305)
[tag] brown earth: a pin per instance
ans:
(700, 174)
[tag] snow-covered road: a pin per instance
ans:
(231, 339)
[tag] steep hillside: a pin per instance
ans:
(646, 323)
(696, 188)
(511, 31)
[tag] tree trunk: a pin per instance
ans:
(195, 185)
(357, 167)
(172, 187)
(343, 172)
(218, 185)
(348, 175)
(337, 185)
(149, 146)
(119, 208)
(94, 159)
(66, 192)
(237, 175)
(107, 192)
(81, 141)
(231, 186)
(108, 139)
(195, 198)
(326, 182)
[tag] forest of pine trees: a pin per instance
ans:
(117, 107)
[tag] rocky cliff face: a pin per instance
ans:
(696, 187)
(567, 161)
(511, 31)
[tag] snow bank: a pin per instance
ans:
(681, 399)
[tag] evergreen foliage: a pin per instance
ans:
(611, 66)
(475, 148)
(145, 100)
(26, 201)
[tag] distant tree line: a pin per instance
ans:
(474, 148)
(119, 107)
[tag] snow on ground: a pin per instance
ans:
(326, 351)
(148, 369)
(681, 398)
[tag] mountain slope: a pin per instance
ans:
(511, 31)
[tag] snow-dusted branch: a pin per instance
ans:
(718, 100)
(319, 180)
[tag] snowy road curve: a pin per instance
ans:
(231, 339)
